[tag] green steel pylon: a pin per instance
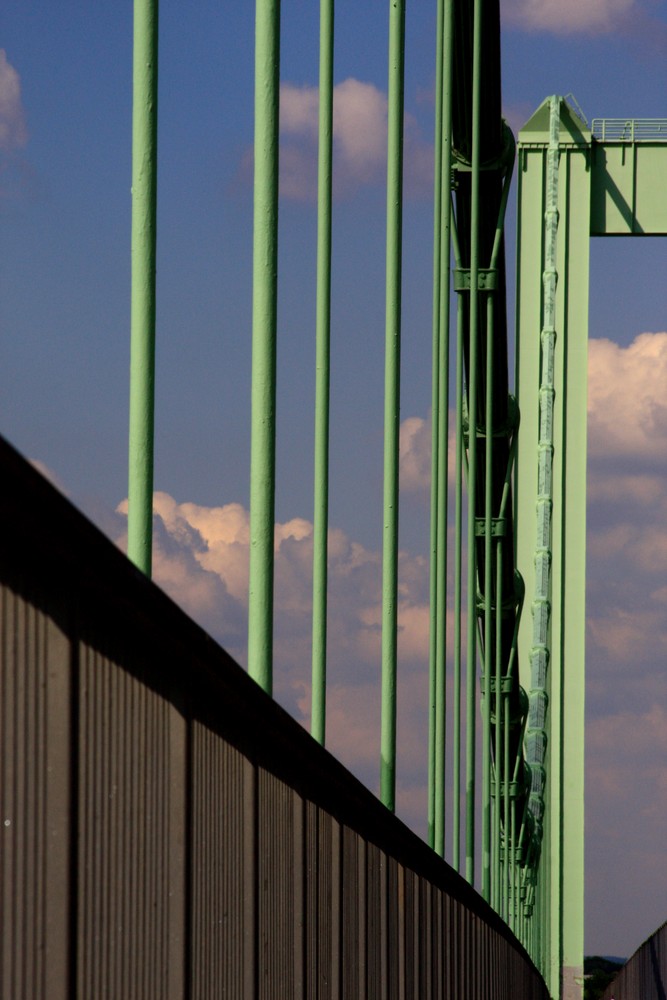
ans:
(573, 184)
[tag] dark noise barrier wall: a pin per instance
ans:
(644, 976)
(169, 832)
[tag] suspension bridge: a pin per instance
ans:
(171, 832)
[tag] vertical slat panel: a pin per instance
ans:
(275, 859)
(313, 861)
(34, 802)
(353, 885)
(394, 960)
(218, 844)
(411, 935)
(23, 802)
(123, 837)
(323, 904)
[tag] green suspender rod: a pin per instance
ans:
(142, 320)
(392, 401)
(265, 267)
(440, 430)
(473, 379)
(323, 329)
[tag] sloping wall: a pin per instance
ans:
(167, 831)
(644, 976)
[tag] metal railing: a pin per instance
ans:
(630, 129)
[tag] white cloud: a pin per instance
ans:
(627, 407)
(415, 453)
(359, 139)
(200, 558)
(568, 16)
(13, 131)
(626, 819)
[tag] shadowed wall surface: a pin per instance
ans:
(644, 976)
(168, 831)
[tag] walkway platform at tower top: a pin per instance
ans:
(628, 164)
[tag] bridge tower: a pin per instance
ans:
(574, 182)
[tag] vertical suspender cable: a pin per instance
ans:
(392, 401)
(498, 701)
(458, 579)
(142, 320)
(471, 677)
(433, 747)
(265, 266)
(488, 608)
(443, 430)
(439, 430)
(323, 330)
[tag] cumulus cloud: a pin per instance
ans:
(627, 626)
(626, 791)
(627, 409)
(627, 510)
(13, 130)
(415, 453)
(15, 174)
(359, 140)
(201, 559)
(626, 690)
(568, 16)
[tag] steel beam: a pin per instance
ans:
(563, 845)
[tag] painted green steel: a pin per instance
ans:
(265, 266)
(538, 720)
(629, 129)
(440, 423)
(392, 401)
(628, 190)
(443, 423)
(142, 316)
(488, 610)
(473, 380)
(322, 381)
(434, 749)
(559, 897)
(458, 589)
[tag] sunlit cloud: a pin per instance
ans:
(200, 558)
(13, 129)
(627, 407)
(626, 791)
(568, 16)
(359, 141)
(415, 453)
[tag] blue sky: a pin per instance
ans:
(65, 117)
